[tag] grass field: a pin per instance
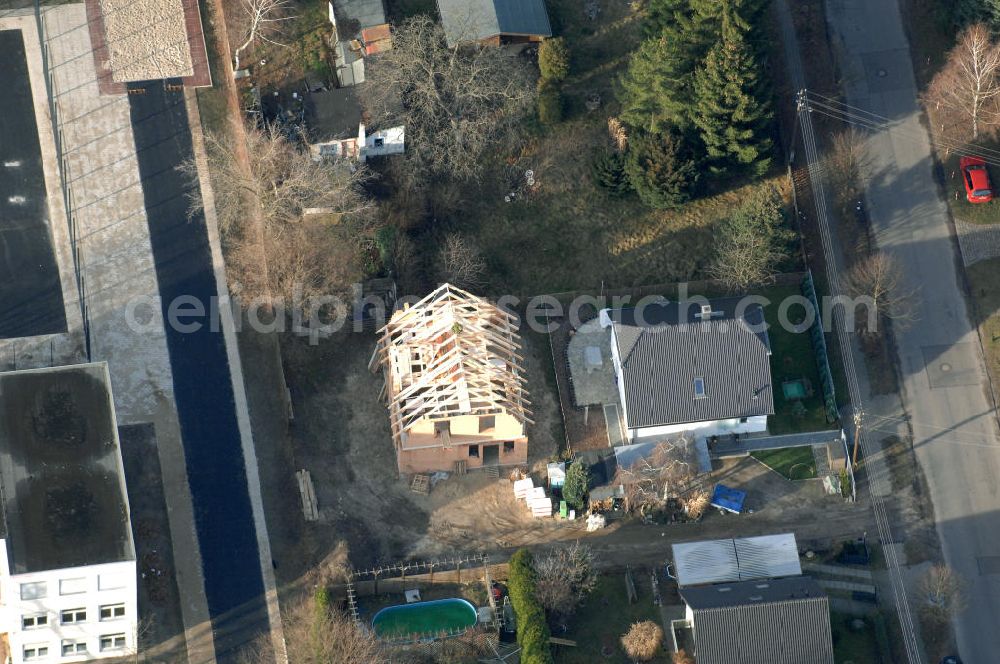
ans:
(794, 463)
(859, 647)
(601, 621)
(792, 357)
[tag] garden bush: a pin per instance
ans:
(608, 169)
(553, 59)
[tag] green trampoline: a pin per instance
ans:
(451, 616)
(795, 389)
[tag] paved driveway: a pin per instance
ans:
(944, 380)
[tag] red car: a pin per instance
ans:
(977, 180)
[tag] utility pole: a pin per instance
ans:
(858, 417)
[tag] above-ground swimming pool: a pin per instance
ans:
(428, 618)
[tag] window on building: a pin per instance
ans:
(73, 586)
(379, 142)
(508, 447)
(111, 581)
(112, 611)
(112, 642)
(73, 647)
(35, 652)
(35, 620)
(72, 616)
(699, 387)
(474, 451)
(487, 423)
(36, 590)
(442, 427)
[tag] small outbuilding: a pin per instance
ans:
(494, 22)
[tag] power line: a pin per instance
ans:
(847, 354)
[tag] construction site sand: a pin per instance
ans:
(146, 39)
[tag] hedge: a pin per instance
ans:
(819, 348)
(532, 630)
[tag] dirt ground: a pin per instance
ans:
(341, 435)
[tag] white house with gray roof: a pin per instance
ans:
(701, 369)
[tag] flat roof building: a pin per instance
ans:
(67, 561)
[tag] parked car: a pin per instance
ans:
(976, 179)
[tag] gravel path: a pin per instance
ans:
(978, 241)
(146, 39)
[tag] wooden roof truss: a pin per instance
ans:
(450, 354)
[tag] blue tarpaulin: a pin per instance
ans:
(728, 499)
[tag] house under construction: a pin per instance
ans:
(454, 384)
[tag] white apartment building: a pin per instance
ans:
(67, 564)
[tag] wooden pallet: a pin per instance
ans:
(460, 467)
(421, 484)
(310, 509)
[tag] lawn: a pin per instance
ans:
(605, 616)
(794, 463)
(792, 358)
(984, 287)
(859, 647)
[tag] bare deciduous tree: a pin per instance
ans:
(262, 184)
(879, 277)
(565, 577)
(969, 83)
(666, 472)
(260, 19)
(317, 635)
(461, 263)
(942, 590)
(846, 161)
(751, 242)
(458, 104)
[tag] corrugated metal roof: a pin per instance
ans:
(664, 350)
(473, 20)
(783, 621)
(727, 560)
(768, 556)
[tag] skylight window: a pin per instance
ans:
(699, 387)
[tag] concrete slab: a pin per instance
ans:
(593, 383)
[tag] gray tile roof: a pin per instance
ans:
(663, 350)
(472, 20)
(781, 621)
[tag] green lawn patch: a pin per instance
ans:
(604, 617)
(860, 647)
(792, 359)
(794, 463)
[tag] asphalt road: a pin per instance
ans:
(201, 373)
(945, 390)
(31, 301)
